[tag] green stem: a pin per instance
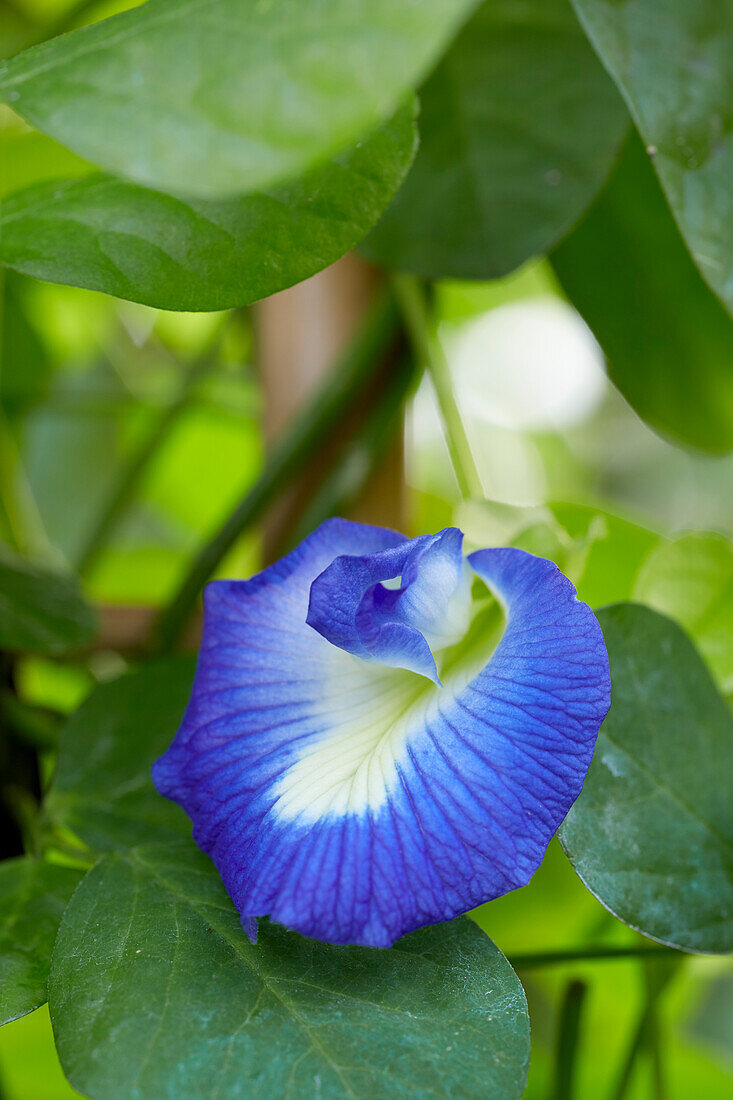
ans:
(124, 490)
(421, 328)
(567, 1039)
(320, 416)
(645, 1037)
(588, 954)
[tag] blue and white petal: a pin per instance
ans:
(360, 757)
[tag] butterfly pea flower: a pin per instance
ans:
(384, 733)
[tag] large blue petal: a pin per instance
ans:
(355, 802)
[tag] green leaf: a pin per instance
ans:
(155, 992)
(102, 788)
(672, 61)
(651, 835)
(668, 339)
(614, 551)
(691, 580)
(519, 126)
(105, 234)
(25, 365)
(40, 611)
(221, 97)
(28, 157)
(33, 896)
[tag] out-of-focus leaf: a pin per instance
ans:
(651, 834)
(672, 61)
(25, 366)
(40, 611)
(614, 551)
(228, 96)
(72, 450)
(600, 552)
(102, 790)
(105, 234)
(156, 991)
(519, 126)
(691, 580)
(27, 157)
(668, 339)
(33, 896)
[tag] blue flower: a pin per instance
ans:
(383, 733)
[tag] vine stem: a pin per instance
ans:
(567, 1039)
(347, 379)
(588, 954)
(420, 325)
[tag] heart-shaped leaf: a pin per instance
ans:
(651, 834)
(156, 991)
(519, 126)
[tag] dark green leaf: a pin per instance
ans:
(33, 896)
(40, 611)
(691, 580)
(652, 832)
(221, 97)
(102, 788)
(156, 992)
(105, 234)
(668, 340)
(672, 61)
(519, 125)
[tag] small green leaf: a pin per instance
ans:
(40, 611)
(499, 178)
(691, 580)
(651, 835)
(33, 896)
(222, 97)
(105, 234)
(672, 61)
(156, 992)
(614, 551)
(668, 340)
(102, 790)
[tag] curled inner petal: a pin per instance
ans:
(400, 627)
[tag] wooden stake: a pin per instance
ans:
(299, 333)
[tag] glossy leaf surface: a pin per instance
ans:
(651, 834)
(192, 254)
(223, 97)
(157, 992)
